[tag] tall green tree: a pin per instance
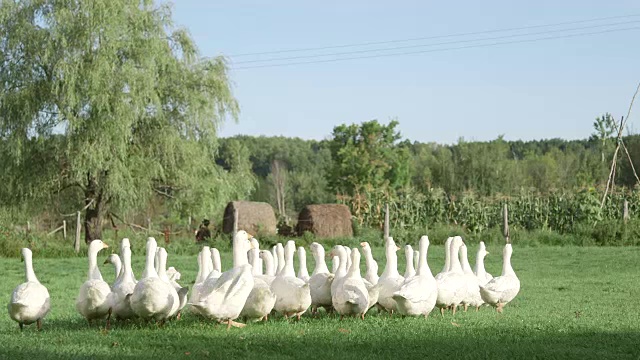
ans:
(368, 154)
(135, 106)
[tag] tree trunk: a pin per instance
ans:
(94, 212)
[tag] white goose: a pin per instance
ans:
(270, 270)
(94, 299)
(452, 285)
(472, 297)
(335, 264)
(222, 299)
(482, 275)
(351, 296)
(416, 259)
(348, 251)
(303, 273)
(417, 295)
(279, 259)
(390, 280)
(126, 243)
(409, 271)
(215, 264)
(197, 285)
(340, 253)
(152, 297)
(30, 300)
(124, 285)
(293, 294)
(320, 280)
(274, 255)
(114, 260)
(447, 259)
(261, 299)
(257, 269)
(180, 293)
(371, 274)
(502, 289)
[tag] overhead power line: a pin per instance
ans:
(433, 44)
(433, 37)
(438, 50)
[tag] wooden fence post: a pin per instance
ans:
(505, 215)
(386, 221)
(64, 229)
(28, 227)
(625, 211)
(148, 226)
(189, 225)
(76, 243)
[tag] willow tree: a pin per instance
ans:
(110, 99)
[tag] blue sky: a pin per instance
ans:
(535, 90)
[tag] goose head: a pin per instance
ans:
(96, 245)
(26, 254)
(482, 250)
(112, 259)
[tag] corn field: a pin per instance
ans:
(527, 210)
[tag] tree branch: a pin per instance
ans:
(164, 193)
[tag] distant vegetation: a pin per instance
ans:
(108, 109)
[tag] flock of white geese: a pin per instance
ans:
(262, 282)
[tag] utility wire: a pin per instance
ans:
(433, 44)
(433, 37)
(437, 50)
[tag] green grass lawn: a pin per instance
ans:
(573, 303)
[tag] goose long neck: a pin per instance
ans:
(216, 264)
(94, 271)
(280, 257)
(149, 268)
(288, 263)
(423, 266)
(409, 260)
(447, 256)
(342, 263)
(302, 258)
(455, 261)
(335, 264)
(370, 264)
(125, 275)
(464, 260)
(391, 267)
(199, 275)
(506, 263)
(162, 264)
(28, 269)
(268, 263)
(255, 263)
(321, 265)
(368, 257)
(479, 268)
(354, 269)
(117, 265)
(239, 253)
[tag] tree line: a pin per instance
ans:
(108, 108)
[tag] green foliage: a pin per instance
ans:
(368, 154)
(110, 98)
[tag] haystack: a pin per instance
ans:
(254, 217)
(326, 220)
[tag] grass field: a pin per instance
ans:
(574, 303)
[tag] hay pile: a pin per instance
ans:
(254, 217)
(325, 220)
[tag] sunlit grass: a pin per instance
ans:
(574, 302)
